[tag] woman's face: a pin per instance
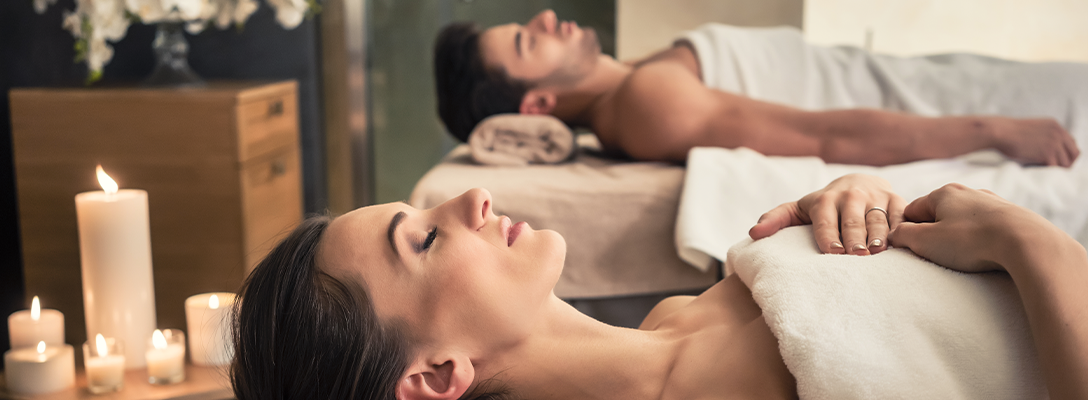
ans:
(456, 269)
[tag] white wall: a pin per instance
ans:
(1031, 30)
(645, 26)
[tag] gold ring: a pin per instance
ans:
(881, 210)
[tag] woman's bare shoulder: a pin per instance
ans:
(664, 309)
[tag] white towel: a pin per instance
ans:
(519, 140)
(777, 65)
(889, 326)
(725, 192)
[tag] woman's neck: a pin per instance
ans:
(572, 356)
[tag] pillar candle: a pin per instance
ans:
(28, 327)
(40, 369)
(115, 251)
(208, 318)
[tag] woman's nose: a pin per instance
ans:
(545, 21)
(475, 207)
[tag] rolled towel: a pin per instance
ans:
(518, 140)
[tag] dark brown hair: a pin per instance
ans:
(467, 90)
(299, 333)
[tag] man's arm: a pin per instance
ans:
(667, 111)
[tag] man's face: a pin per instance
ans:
(544, 52)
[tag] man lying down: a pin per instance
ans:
(765, 89)
(455, 302)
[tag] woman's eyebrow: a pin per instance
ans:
(392, 233)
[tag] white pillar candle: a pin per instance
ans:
(166, 357)
(40, 369)
(104, 361)
(28, 327)
(208, 317)
(115, 250)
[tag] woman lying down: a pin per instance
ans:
(455, 302)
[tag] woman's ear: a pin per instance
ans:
(447, 379)
(537, 102)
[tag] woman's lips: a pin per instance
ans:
(513, 233)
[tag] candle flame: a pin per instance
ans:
(100, 343)
(35, 309)
(158, 340)
(107, 183)
(213, 303)
(41, 347)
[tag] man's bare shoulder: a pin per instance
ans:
(656, 105)
(681, 54)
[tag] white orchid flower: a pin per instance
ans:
(188, 10)
(41, 5)
(98, 54)
(108, 22)
(149, 11)
(73, 22)
(289, 13)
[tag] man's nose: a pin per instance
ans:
(545, 21)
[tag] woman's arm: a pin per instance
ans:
(976, 231)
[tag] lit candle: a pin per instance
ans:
(115, 250)
(28, 327)
(166, 357)
(105, 365)
(40, 369)
(208, 317)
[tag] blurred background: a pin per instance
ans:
(368, 124)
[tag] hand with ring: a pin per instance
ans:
(852, 215)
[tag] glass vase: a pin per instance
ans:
(172, 58)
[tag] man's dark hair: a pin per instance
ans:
(467, 90)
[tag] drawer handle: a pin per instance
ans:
(275, 108)
(278, 168)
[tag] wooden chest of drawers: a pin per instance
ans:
(220, 165)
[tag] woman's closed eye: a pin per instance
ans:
(430, 240)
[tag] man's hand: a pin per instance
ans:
(1035, 141)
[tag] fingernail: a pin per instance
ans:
(876, 243)
(835, 246)
(857, 248)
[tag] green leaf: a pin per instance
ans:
(92, 77)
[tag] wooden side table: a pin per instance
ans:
(220, 165)
(201, 383)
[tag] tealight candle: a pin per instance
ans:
(28, 327)
(40, 369)
(208, 317)
(115, 261)
(105, 365)
(166, 357)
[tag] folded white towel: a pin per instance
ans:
(889, 326)
(517, 140)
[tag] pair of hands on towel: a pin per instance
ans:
(955, 226)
